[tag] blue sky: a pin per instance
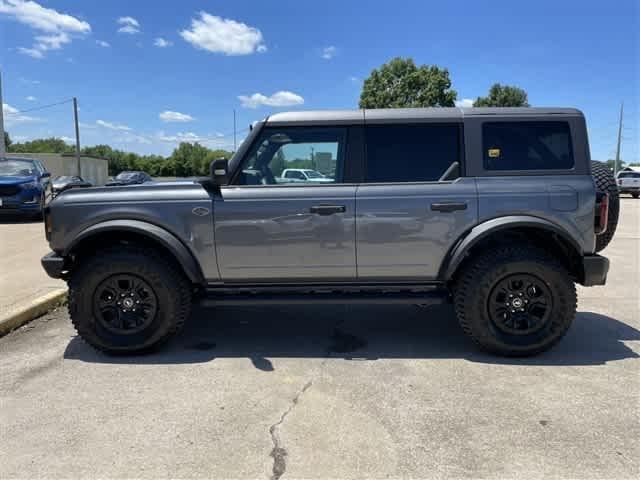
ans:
(148, 73)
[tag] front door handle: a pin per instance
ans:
(448, 206)
(328, 209)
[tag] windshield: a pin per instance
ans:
(63, 178)
(125, 175)
(17, 168)
(313, 174)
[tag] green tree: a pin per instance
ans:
(187, 160)
(42, 145)
(503, 96)
(400, 83)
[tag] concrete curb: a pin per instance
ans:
(24, 314)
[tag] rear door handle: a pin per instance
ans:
(448, 206)
(328, 209)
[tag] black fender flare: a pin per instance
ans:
(489, 227)
(158, 234)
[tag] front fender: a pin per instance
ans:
(151, 231)
(482, 231)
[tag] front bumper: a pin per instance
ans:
(53, 264)
(595, 268)
(26, 200)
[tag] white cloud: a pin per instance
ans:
(30, 98)
(28, 81)
(223, 35)
(128, 137)
(32, 52)
(13, 116)
(464, 103)
(162, 43)
(58, 27)
(170, 116)
(69, 140)
(102, 43)
(215, 140)
(128, 25)
(278, 99)
(113, 126)
(329, 52)
(180, 137)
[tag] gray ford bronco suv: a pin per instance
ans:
(497, 210)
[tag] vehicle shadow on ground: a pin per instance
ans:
(364, 333)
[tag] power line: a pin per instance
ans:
(40, 107)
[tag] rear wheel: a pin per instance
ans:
(515, 301)
(128, 300)
(635, 195)
(606, 183)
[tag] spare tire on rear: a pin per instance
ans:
(606, 183)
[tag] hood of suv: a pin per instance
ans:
(148, 192)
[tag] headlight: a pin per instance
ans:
(29, 185)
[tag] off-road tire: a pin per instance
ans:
(474, 285)
(606, 183)
(171, 288)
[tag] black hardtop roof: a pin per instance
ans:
(412, 114)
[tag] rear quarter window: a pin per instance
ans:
(527, 146)
(410, 153)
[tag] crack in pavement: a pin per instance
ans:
(343, 343)
(278, 452)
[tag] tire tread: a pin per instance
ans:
(100, 262)
(470, 278)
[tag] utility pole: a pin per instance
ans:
(3, 147)
(617, 160)
(234, 130)
(75, 119)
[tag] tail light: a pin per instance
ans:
(602, 213)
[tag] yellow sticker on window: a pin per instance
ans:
(494, 152)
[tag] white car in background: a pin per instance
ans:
(629, 182)
(304, 175)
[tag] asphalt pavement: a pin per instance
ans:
(333, 392)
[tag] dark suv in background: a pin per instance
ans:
(129, 178)
(496, 210)
(25, 186)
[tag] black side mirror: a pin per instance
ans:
(220, 172)
(45, 175)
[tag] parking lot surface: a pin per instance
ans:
(333, 392)
(22, 279)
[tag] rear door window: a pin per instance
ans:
(527, 146)
(410, 153)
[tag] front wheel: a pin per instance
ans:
(515, 301)
(635, 195)
(128, 300)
